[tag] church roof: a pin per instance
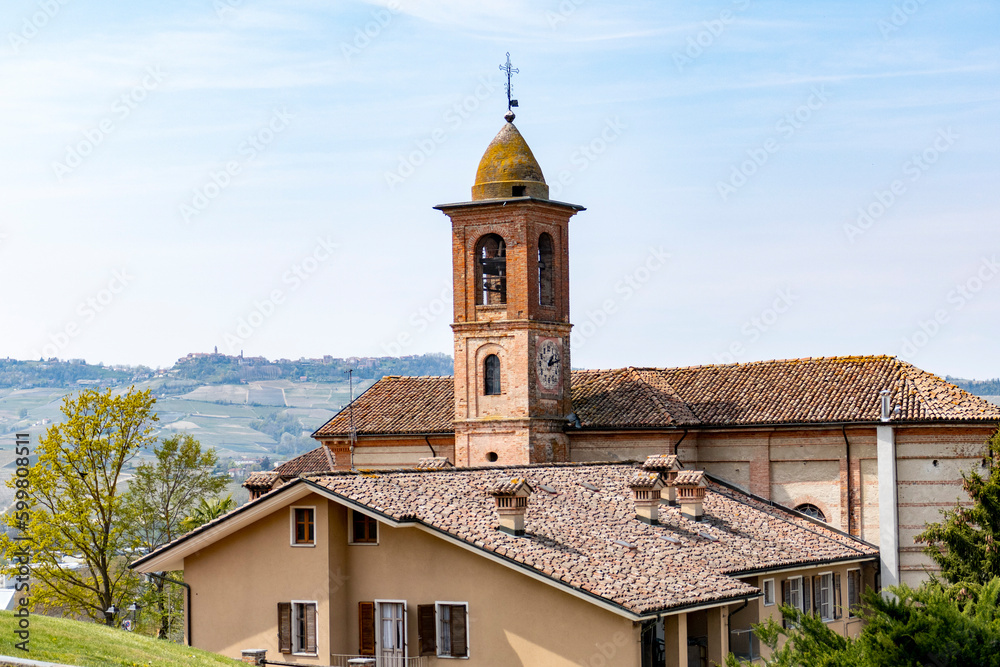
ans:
(791, 391)
(508, 163)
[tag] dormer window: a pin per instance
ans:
(491, 373)
(491, 270)
(546, 289)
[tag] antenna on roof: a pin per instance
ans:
(352, 433)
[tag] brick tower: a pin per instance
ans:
(510, 252)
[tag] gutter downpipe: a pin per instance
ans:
(678, 444)
(188, 587)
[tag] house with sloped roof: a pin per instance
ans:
(536, 564)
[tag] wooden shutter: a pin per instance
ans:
(310, 646)
(426, 629)
(786, 597)
(284, 627)
(807, 595)
(366, 628)
(837, 613)
(459, 634)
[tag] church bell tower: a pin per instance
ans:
(510, 250)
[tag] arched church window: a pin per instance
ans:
(546, 268)
(812, 511)
(491, 270)
(491, 368)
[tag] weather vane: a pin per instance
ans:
(510, 71)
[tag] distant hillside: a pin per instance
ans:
(214, 368)
(17, 374)
(977, 387)
(217, 368)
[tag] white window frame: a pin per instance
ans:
(857, 592)
(795, 592)
(378, 626)
(291, 536)
(350, 530)
(437, 630)
(767, 588)
(296, 643)
(826, 586)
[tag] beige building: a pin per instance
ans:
(550, 564)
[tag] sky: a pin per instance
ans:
(762, 180)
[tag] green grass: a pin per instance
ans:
(88, 645)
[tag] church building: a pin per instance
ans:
(871, 445)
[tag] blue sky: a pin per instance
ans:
(763, 180)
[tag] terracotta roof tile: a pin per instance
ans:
(260, 480)
(399, 405)
(591, 540)
(791, 391)
(316, 460)
(645, 480)
(434, 463)
(661, 462)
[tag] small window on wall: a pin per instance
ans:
(364, 529)
(811, 511)
(546, 269)
(443, 629)
(297, 627)
(303, 526)
(769, 592)
(491, 372)
(853, 592)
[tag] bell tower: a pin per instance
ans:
(510, 252)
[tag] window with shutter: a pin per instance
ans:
(284, 627)
(785, 592)
(853, 591)
(364, 529)
(426, 629)
(452, 629)
(817, 594)
(366, 628)
(806, 595)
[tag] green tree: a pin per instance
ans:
(966, 543)
(930, 625)
(77, 508)
(162, 495)
(208, 510)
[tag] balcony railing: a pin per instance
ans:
(379, 661)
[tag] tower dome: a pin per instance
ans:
(508, 169)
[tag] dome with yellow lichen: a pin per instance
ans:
(508, 169)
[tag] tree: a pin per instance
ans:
(966, 543)
(77, 508)
(931, 625)
(162, 495)
(208, 510)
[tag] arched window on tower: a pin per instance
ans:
(546, 269)
(491, 270)
(491, 373)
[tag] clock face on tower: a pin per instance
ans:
(548, 363)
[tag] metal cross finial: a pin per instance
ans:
(510, 71)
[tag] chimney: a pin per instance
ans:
(646, 496)
(512, 504)
(667, 466)
(434, 463)
(690, 485)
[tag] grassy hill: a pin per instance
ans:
(64, 641)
